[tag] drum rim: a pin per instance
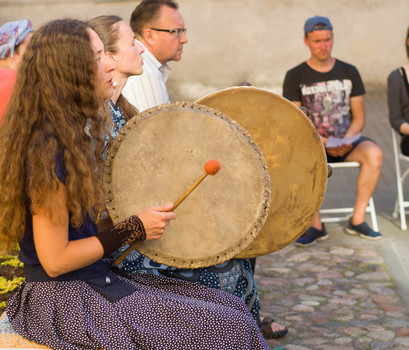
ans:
(250, 253)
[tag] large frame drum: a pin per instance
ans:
(295, 157)
(158, 155)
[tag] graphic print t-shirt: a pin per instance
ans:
(326, 95)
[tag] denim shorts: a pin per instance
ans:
(331, 159)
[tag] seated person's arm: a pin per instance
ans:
(395, 102)
(57, 254)
(358, 116)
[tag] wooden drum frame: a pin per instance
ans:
(295, 157)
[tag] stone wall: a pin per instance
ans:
(231, 41)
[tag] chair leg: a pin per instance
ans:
(399, 203)
(396, 208)
(402, 213)
(373, 215)
(403, 220)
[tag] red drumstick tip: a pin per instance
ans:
(212, 167)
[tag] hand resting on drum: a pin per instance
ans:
(155, 219)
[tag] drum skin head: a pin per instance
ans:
(295, 158)
(159, 154)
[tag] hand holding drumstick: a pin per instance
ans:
(155, 219)
(211, 168)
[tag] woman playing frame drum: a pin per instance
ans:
(50, 180)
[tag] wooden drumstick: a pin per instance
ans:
(211, 168)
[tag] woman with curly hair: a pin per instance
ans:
(50, 180)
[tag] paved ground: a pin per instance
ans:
(345, 292)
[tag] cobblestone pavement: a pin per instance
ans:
(345, 292)
(337, 294)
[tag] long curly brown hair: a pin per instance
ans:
(55, 110)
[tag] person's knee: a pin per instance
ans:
(376, 156)
(372, 155)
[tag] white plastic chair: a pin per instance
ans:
(349, 210)
(400, 203)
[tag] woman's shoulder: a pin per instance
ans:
(395, 73)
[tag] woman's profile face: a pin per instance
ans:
(104, 63)
(128, 58)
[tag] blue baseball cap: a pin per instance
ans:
(313, 21)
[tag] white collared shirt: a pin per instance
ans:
(148, 89)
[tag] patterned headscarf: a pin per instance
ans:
(13, 34)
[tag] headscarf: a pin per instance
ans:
(13, 34)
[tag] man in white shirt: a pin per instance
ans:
(160, 29)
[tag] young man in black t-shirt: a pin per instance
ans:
(333, 93)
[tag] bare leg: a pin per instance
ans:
(370, 156)
(316, 223)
